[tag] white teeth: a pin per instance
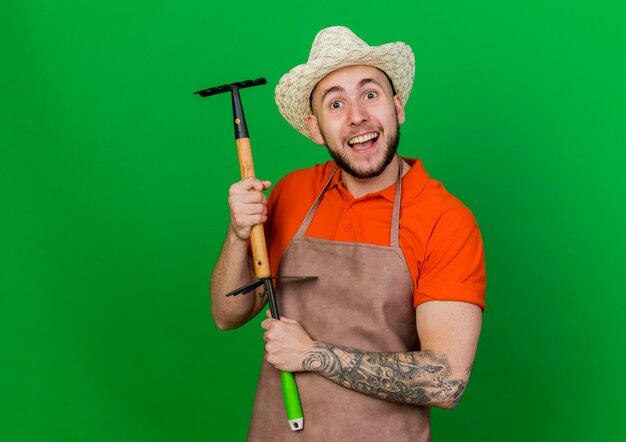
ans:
(363, 138)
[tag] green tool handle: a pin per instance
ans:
(290, 388)
(262, 270)
(292, 401)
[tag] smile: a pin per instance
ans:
(363, 138)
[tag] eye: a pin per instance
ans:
(369, 95)
(336, 104)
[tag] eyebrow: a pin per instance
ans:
(362, 83)
(368, 80)
(331, 90)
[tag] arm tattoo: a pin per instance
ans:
(416, 378)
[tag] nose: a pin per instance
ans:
(358, 113)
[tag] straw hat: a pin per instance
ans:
(335, 48)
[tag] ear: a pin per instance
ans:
(397, 101)
(314, 127)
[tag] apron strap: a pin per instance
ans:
(311, 213)
(395, 217)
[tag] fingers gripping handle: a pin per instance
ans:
(257, 236)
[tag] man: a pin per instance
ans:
(390, 325)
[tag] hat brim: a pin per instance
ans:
(294, 89)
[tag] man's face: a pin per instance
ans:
(356, 116)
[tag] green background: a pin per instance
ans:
(113, 184)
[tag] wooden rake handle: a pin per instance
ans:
(257, 235)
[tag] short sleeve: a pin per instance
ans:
(454, 269)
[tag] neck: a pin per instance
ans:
(359, 187)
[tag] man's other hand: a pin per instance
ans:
(286, 343)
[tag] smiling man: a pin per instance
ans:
(390, 326)
(351, 114)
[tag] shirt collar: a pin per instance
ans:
(413, 182)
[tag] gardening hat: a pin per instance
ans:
(335, 48)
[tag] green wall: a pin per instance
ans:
(113, 184)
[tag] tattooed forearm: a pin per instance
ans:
(417, 378)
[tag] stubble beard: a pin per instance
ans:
(392, 141)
